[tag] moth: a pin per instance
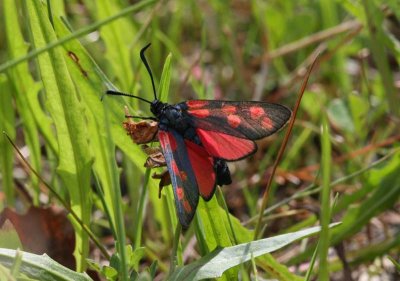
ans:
(199, 137)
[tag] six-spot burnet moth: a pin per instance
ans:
(198, 137)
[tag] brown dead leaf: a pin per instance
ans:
(156, 157)
(44, 230)
(141, 132)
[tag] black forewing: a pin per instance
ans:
(244, 119)
(183, 179)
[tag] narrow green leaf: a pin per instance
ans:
(165, 81)
(89, 81)
(15, 269)
(213, 221)
(214, 228)
(26, 91)
(41, 267)
(67, 112)
(214, 264)
(325, 216)
(7, 121)
(395, 263)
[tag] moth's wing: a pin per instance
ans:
(191, 170)
(227, 128)
(203, 167)
(224, 146)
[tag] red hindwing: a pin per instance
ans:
(203, 167)
(226, 146)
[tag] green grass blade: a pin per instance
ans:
(66, 111)
(25, 91)
(214, 228)
(7, 121)
(163, 89)
(325, 215)
(118, 212)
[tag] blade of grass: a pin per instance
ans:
(222, 201)
(25, 91)
(174, 254)
(89, 82)
(312, 263)
(163, 89)
(214, 229)
(140, 212)
(325, 215)
(65, 109)
(117, 204)
(15, 269)
(7, 121)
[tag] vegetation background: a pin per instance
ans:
(342, 162)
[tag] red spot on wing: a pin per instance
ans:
(183, 175)
(175, 168)
(200, 113)
(228, 109)
(179, 192)
(234, 121)
(186, 206)
(196, 103)
(185, 188)
(226, 146)
(203, 167)
(256, 112)
(267, 123)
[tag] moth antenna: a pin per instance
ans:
(143, 58)
(116, 93)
